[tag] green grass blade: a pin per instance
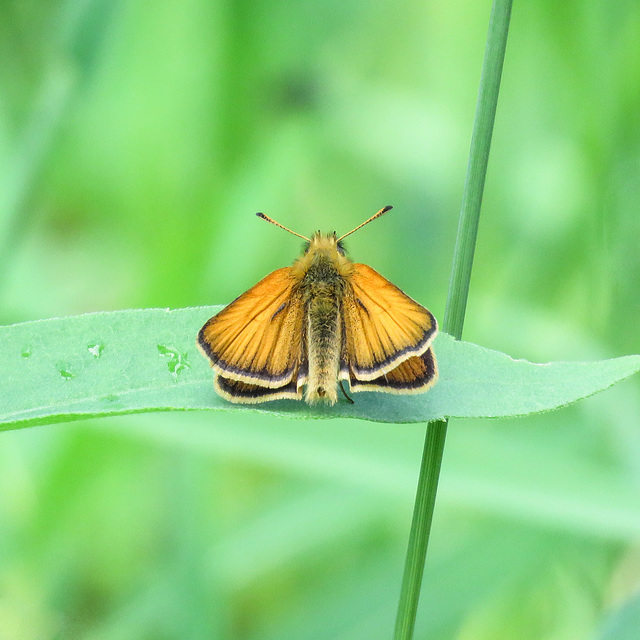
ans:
(477, 168)
(455, 309)
(123, 362)
(420, 528)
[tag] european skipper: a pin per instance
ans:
(320, 322)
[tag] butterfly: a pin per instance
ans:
(303, 330)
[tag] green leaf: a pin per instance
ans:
(121, 362)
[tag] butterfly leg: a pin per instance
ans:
(346, 395)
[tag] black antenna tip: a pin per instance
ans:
(261, 215)
(385, 209)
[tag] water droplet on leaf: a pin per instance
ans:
(95, 349)
(65, 370)
(176, 362)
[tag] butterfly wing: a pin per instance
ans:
(255, 343)
(415, 375)
(387, 336)
(243, 393)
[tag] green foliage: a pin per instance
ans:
(107, 364)
(455, 310)
(137, 142)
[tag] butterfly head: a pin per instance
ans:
(323, 252)
(325, 243)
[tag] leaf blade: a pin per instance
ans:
(120, 362)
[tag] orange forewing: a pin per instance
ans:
(257, 339)
(386, 333)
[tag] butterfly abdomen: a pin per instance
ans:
(323, 285)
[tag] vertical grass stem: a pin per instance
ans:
(455, 309)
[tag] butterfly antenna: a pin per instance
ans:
(373, 217)
(272, 221)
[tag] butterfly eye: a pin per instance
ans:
(341, 249)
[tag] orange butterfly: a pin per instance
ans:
(317, 323)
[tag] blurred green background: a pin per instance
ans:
(137, 140)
